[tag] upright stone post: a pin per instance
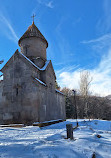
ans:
(69, 131)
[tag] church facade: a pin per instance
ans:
(27, 91)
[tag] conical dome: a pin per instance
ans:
(33, 44)
(32, 31)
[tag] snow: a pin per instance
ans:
(51, 121)
(29, 60)
(13, 125)
(50, 142)
(40, 82)
(1, 77)
(48, 121)
(42, 69)
(59, 92)
(45, 66)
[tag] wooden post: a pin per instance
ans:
(69, 131)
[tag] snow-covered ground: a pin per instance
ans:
(50, 142)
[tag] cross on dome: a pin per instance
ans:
(33, 16)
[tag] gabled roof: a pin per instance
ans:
(32, 31)
(47, 65)
(28, 60)
(41, 69)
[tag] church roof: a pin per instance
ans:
(32, 31)
(28, 60)
(41, 69)
(47, 63)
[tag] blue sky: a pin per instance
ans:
(78, 33)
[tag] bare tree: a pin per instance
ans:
(84, 84)
(84, 88)
(68, 92)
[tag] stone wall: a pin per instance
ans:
(34, 47)
(1, 102)
(1, 90)
(19, 93)
(25, 100)
(60, 102)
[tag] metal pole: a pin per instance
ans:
(75, 105)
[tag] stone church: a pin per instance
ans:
(27, 91)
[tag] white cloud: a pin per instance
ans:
(101, 83)
(50, 4)
(99, 44)
(107, 14)
(69, 79)
(47, 3)
(104, 21)
(7, 28)
(102, 76)
(101, 39)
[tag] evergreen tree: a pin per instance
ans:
(70, 111)
(57, 86)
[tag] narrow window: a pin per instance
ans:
(16, 91)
